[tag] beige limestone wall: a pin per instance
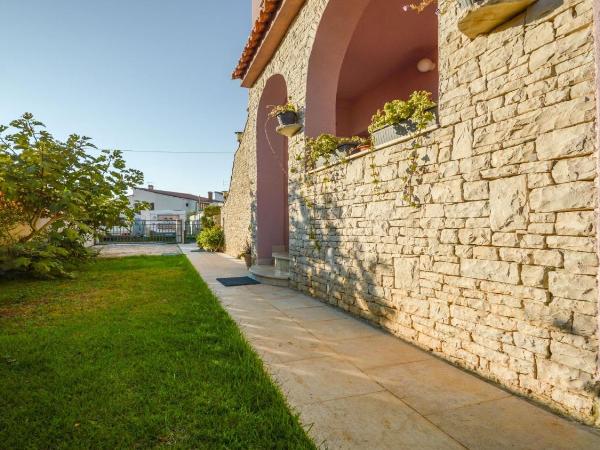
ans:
(496, 269)
(236, 211)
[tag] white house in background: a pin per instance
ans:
(167, 201)
(170, 205)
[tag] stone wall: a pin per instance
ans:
(236, 211)
(495, 270)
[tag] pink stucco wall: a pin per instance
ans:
(365, 54)
(272, 220)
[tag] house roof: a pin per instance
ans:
(173, 194)
(259, 30)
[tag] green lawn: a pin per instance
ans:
(135, 352)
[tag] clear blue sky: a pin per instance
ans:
(132, 74)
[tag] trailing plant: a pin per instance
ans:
(327, 145)
(211, 239)
(396, 111)
(421, 117)
(280, 109)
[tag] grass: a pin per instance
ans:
(135, 352)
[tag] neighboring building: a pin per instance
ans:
(166, 200)
(495, 269)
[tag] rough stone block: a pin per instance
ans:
(468, 209)
(577, 287)
(406, 273)
(578, 244)
(533, 276)
(573, 141)
(476, 190)
(447, 191)
(501, 271)
(563, 197)
(579, 223)
(508, 204)
(462, 145)
(580, 262)
(574, 169)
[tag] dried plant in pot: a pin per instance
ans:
(247, 254)
(287, 116)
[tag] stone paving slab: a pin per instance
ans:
(121, 250)
(356, 387)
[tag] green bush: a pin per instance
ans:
(211, 239)
(51, 256)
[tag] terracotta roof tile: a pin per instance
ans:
(260, 28)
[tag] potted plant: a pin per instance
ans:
(401, 117)
(287, 116)
(351, 145)
(321, 149)
(247, 254)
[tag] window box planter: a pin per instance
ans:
(393, 132)
(482, 16)
(288, 123)
(397, 131)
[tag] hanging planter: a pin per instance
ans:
(482, 16)
(287, 117)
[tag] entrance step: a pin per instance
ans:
(282, 261)
(269, 275)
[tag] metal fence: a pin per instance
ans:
(191, 228)
(166, 231)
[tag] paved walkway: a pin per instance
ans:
(120, 250)
(355, 386)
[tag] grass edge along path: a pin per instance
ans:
(136, 352)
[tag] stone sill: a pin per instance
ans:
(483, 17)
(400, 140)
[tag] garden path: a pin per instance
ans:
(356, 386)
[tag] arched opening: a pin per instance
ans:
(365, 54)
(272, 217)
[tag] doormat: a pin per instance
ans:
(236, 281)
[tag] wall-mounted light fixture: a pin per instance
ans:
(425, 65)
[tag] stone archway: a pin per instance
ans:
(272, 216)
(365, 54)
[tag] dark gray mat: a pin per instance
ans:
(236, 281)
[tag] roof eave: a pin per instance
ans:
(271, 38)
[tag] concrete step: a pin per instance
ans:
(269, 275)
(282, 261)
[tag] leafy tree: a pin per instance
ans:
(54, 196)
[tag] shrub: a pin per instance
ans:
(211, 239)
(54, 196)
(51, 256)
(208, 217)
